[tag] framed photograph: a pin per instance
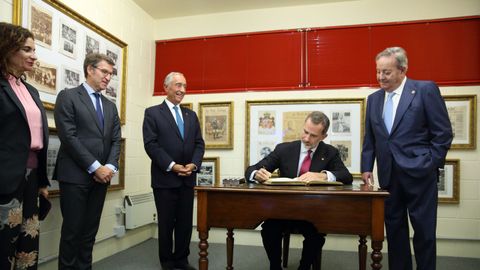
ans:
(187, 105)
(117, 183)
(209, 172)
(462, 111)
(449, 182)
(272, 122)
(65, 37)
(216, 121)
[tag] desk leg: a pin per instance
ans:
(362, 253)
(230, 241)
(203, 245)
(377, 255)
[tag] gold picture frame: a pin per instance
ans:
(117, 183)
(60, 54)
(269, 123)
(462, 111)
(449, 182)
(209, 172)
(187, 105)
(216, 122)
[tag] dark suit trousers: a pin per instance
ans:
(272, 230)
(81, 207)
(175, 217)
(418, 199)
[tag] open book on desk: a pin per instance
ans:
(284, 181)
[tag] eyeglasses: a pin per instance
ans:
(104, 71)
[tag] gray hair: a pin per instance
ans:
(318, 117)
(399, 53)
(169, 78)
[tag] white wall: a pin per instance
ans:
(458, 225)
(6, 11)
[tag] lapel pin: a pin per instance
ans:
(413, 92)
(323, 158)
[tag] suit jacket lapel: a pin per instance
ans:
(168, 115)
(408, 94)
(13, 96)
(186, 122)
(318, 159)
(378, 102)
(87, 101)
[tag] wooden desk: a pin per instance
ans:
(332, 209)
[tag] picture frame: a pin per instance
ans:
(117, 182)
(209, 172)
(269, 123)
(449, 182)
(61, 37)
(462, 111)
(187, 105)
(216, 122)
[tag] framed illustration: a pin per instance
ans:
(63, 39)
(117, 182)
(462, 111)
(187, 105)
(216, 121)
(272, 122)
(449, 182)
(209, 172)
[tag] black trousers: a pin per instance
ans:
(19, 225)
(272, 232)
(175, 218)
(81, 207)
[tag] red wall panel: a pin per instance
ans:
(182, 56)
(339, 57)
(225, 62)
(445, 51)
(274, 60)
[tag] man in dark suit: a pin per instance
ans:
(324, 163)
(89, 130)
(408, 131)
(174, 143)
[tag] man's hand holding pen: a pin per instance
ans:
(262, 175)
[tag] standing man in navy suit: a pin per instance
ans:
(408, 132)
(89, 130)
(173, 141)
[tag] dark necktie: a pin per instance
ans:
(179, 120)
(307, 161)
(99, 110)
(388, 112)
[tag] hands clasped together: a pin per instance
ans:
(182, 170)
(103, 175)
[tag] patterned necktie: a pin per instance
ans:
(388, 112)
(99, 109)
(179, 120)
(307, 161)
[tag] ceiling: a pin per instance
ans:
(160, 9)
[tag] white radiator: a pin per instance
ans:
(139, 210)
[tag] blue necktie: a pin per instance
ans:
(99, 110)
(179, 120)
(388, 112)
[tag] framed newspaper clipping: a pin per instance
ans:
(209, 172)
(63, 38)
(449, 182)
(462, 111)
(216, 121)
(272, 122)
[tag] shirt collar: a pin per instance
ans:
(399, 89)
(303, 148)
(88, 88)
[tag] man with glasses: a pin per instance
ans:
(89, 130)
